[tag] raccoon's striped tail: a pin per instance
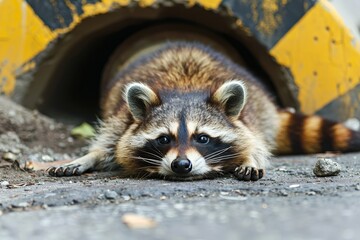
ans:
(299, 134)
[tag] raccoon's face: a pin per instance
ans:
(184, 135)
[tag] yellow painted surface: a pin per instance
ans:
(146, 3)
(208, 4)
(322, 56)
(22, 36)
(95, 9)
(98, 8)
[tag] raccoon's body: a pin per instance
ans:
(185, 111)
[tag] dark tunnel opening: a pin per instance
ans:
(70, 90)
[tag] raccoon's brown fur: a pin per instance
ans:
(185, 111)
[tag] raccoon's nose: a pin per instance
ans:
(181, 166)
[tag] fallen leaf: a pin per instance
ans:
(85, 130)
(137, 221)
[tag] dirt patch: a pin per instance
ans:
(28, 135)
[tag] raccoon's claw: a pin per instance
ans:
(70, 170)
(78, 166)
(248, 173)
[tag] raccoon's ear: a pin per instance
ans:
(140, 98)
(231, 96)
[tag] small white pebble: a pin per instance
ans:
(4, 183)
(21, 205)
(111, 194)
(9, 156)
(126, 197)
(47, 158)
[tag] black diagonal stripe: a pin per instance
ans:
(327, 135)
(286, 16)
(57, 14)
(338, 109)
(295, 129)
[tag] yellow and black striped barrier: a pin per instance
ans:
(304, 47)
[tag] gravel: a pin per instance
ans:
(110, 194)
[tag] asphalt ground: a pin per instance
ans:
(290, 202)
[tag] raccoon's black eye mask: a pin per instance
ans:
(198, 138)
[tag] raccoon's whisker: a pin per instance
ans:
(231, 154)
(161, 154)
(216, 153)
(221, 158)
(152, 154)
(149, 160)
(167, 167)
(138, 157)
(146, 169)
(218, 160)
(144, 175)
(155, 164)
(221, 150)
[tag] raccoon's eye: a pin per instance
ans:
(203, 139)
(164, 140)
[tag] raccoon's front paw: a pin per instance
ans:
(246, 173)
(66, 170)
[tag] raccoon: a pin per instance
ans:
(185, 111)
